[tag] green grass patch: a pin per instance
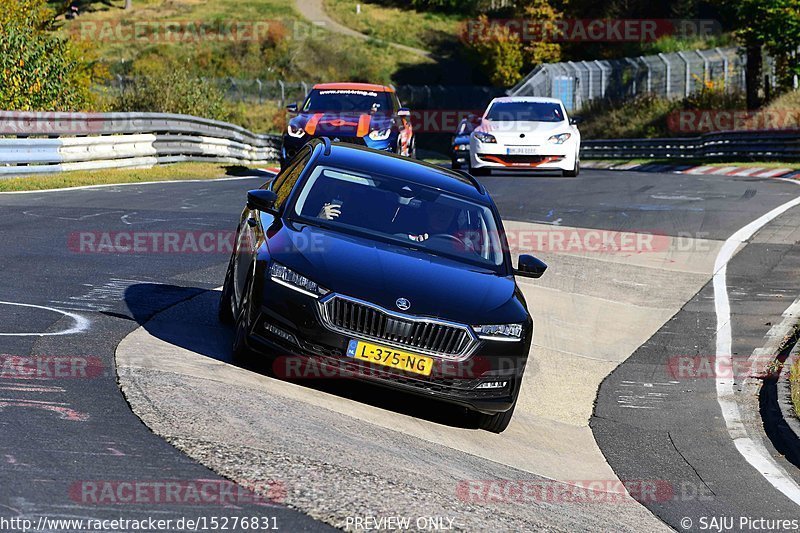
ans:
(425, 30)
(78, 178)
(288, 47)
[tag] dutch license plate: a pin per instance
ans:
(521, 150)
(391, 357)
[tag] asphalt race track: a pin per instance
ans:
(324, 454)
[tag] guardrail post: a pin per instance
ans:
(260, 100)
(283, 93)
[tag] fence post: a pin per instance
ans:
(705, 66)
(669, 71)
(602, 78)
(682, 55)
(258, 82)
(635, 74)
(283, 93)
(724, 67)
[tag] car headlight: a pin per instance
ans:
(289, 278)
(499, 332)
(296, 132)
(461, 147)
(484, 137)
(560, 138)
(380, 135)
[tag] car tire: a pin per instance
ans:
(455, 164)
(497, 422)
(480, 171)
(241, 353)
(574, 172)
(225, 311)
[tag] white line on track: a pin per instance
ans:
(753, 452)
(80, 323)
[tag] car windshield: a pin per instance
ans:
(404, 212)
(344, 100)
(525, 112)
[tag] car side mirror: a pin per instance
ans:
(530, 267)
(575, 121)
(292, 108)
(261, 200)
(404, 112)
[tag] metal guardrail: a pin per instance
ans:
(46, 142)
(742, 145)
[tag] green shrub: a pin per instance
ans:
(39, 69)
(643, 116)
(172, 90)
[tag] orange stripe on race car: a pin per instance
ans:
(499, 159)
(311, 125)
(363, 125)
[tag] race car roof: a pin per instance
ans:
(354, 87)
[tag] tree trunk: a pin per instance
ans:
(128, 4)
(753, 76)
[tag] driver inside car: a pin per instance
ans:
(442, 221)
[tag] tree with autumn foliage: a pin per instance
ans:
(502, 54)
(39, 68)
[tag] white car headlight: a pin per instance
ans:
(289, 278)
(484, 137)
(296, 132)
(499, 332)
(560, 138)
(461, 148)
(380, 135)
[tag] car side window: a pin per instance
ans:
(285, 183)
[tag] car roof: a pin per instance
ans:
(354, 87)
(533, 99)
(362, 158)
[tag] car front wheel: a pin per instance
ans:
(241, 353)
(497, 422)
(574, 172)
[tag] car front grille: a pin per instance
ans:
(424, 335)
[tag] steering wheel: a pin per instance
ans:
(447, 236)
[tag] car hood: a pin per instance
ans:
(381, 273)
(340, 124)
(508, 130)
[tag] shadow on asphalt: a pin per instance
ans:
(196, 328)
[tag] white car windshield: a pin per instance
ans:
(525, 112)
(404, 212)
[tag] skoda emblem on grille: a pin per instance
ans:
(403, 304)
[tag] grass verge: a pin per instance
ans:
(425, 30)
(178, 171)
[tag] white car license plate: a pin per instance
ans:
(522, 150)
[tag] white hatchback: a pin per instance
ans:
(525, 133)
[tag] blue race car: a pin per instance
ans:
(356, 113)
